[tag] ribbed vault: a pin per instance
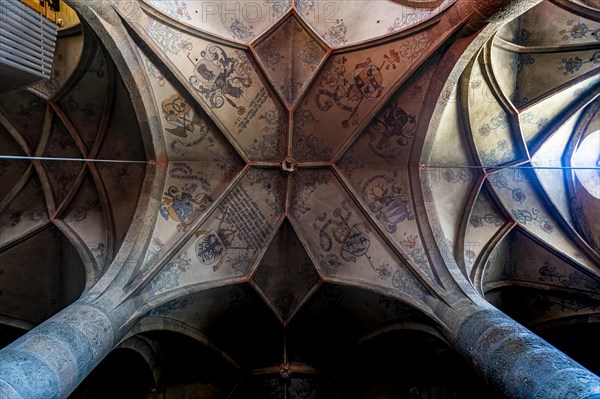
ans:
(518, 215)
(56, 199)
(328, 180)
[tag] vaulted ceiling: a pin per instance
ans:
(74, 212)
(323, 173)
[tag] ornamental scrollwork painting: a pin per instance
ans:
(391, 131)
(389, 200)
(220, 78)
(336, 89)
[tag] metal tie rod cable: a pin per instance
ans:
(73, 159)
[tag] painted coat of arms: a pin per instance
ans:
(388, 199)
(367, 82)
(210, 248)
(391, 130)
(180, 115)
(183, 206)
(342, 241)
(219, 77)
(357, 241)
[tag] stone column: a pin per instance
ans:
(518, 362)
(52, 359)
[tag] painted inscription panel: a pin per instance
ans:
(228, 243)
(225, 82)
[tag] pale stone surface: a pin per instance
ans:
(521, 364)
(53, 358)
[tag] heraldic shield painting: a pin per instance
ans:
(303, 176)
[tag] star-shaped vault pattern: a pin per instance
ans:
(285, 135)
(315, 182)
(292, 137)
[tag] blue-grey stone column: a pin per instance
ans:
(518, 362)
(52, 359)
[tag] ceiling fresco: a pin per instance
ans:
(251, 151)
(238, 21)
(293, 149)
(332, 21)
(322, 172)
(523, 126)
(292, 71)
(286, 288)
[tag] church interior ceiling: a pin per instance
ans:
(310, 193)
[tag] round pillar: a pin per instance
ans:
(52, 359)
(518, 362)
